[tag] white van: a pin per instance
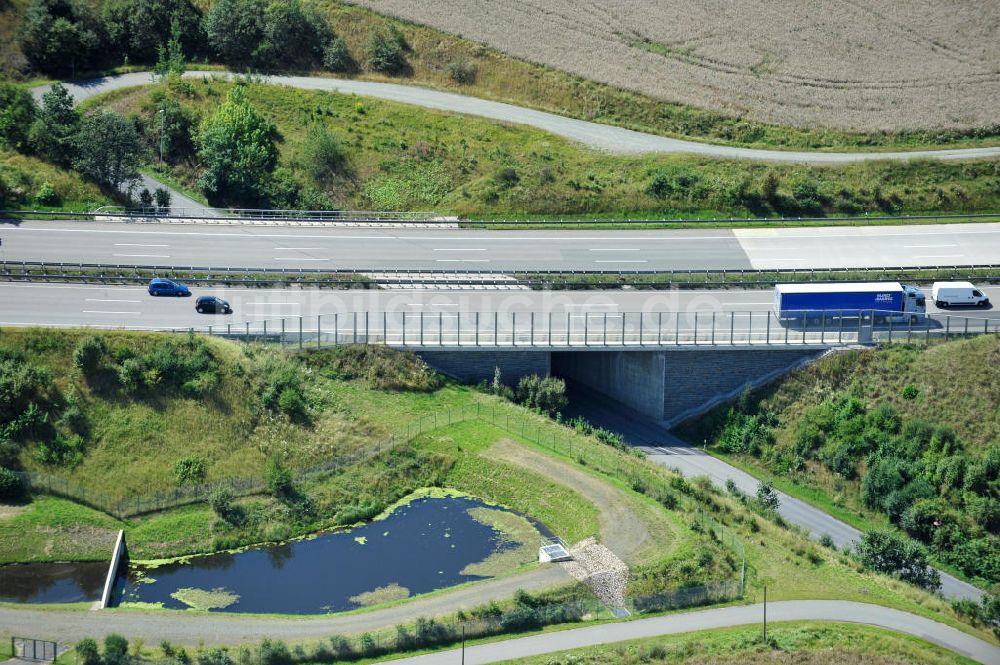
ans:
(958, 293)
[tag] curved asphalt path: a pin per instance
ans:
(724, 617)
(593, 135)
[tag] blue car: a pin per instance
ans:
(165, 287)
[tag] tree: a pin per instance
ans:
(59, 36)
(238, 150)
(234, 29)
(170, 60)
(17, 111)
(295, 35)
(136, 28)
(767, 496)
(55, 127)
(162, 197)
(385, 51)
(885, 552)
(107, 147)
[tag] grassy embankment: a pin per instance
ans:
(904, 436)
(399, 157)
(805, 643)
(349, 397)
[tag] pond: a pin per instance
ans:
(424, 545)
(52, 582)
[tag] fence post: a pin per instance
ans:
(440, 328)
(696, 328)
(624, 314)
(477, 327)
(421, 328)
(659, 330)
(513, 328)
(532, 328)
(319, 330)
(336, 328)
(550, 328)
(496, 328)
(713, 328)
(586, 328)
(677, 328)
(947, 329)
(282, 342)
(385, 327)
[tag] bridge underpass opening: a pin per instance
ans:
(668, 386)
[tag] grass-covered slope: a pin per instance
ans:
(392, 156)
(31, 183)
(905, 435)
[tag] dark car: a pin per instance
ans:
(212, 305)
(166, 287)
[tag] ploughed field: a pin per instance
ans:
(863, 65)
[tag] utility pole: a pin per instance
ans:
(162, 115)
(463, 644)
(765, 614)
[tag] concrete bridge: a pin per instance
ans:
(665, 365)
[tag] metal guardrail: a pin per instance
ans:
(68, 270)
(426, 217)
(599, 330)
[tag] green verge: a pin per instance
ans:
(809, 643)
(402, 157)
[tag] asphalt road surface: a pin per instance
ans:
(467, 249)
(132, 307)
(667, 450)
(723, 617)
(601, 137)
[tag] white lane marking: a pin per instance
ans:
(616, 249)
(135, 244)
(462, 260)
(107, 300)
(774, 259)
(144, 256)
(101, 311)
(926, 246)
(275, 304)
(614, 305)
(298, 249)
(459, 249)
(939, 256)
(741, 304)
(620, 261)
(297, 258)
(445, 304)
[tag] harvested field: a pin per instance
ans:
(850, 64)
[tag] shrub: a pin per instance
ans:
(546, 395)
(462, 71)
(337, 57)
(11, 487)
(221, 501)
(767, 497)
(89, 353)
(885, 552)
(86, 650)
(215, 657)
(506, 177)
(278, 477)
(322, 158)
(910, 391)
(384, 51)
(130, 375)
(60, 450)
(826, 540)
(274, 653)
(115, 650)
(291, 403)
(46, 195)
(162, 197)
(189, 470)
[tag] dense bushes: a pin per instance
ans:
(380, 367)
(885, 552)
(917, 473)
(11, 487)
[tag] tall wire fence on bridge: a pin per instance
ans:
(605, 329)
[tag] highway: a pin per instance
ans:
(132, 307)
(600, 137)
(467, 249)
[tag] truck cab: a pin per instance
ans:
(914, 302)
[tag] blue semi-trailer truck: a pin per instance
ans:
(882, 301)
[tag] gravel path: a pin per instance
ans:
(724, 617)
(186, 628)
(594, 135)
(621, 529)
